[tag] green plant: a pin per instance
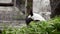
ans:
(41, 27)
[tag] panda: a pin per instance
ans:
(34, 17)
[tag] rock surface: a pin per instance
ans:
(42, 7)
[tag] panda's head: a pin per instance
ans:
(28, 18)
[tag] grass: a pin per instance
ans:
(42, 27)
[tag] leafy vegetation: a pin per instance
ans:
(41, 27)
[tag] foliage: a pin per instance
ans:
(13, 30)
(41, 27)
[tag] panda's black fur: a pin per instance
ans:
(28, 20)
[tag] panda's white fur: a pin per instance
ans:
(36, 17)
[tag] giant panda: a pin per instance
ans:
(34, 17)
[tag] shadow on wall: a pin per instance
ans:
(56, 12)
(20, 4)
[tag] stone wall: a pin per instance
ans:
(11, 15)
(55, 7)
(54, 4)
(5, 1)
(42, 7)
(12, 12)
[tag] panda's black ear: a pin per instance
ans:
(31, 12)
